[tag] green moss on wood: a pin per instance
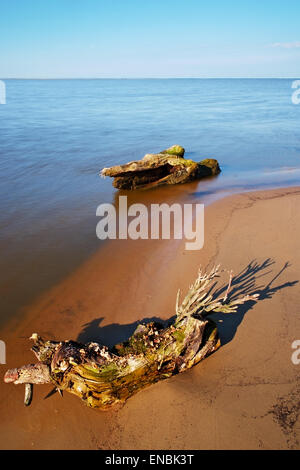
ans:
(175, 150)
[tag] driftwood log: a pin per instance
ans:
(166, 167)
(104, 378)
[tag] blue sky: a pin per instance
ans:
(131, 38)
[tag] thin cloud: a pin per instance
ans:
(287, 45)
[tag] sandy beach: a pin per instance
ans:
(245, 396)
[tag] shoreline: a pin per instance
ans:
(106, 296)
(32, 292)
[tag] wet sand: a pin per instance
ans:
(245, 396)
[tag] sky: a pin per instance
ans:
(149, 39)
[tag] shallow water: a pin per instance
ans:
(56, 135)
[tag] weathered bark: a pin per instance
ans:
(104, 378)
(166, 167)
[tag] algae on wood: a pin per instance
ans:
(105, 378)
(166, 167)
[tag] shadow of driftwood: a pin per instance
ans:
(247, 282)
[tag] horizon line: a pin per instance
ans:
(149, 78)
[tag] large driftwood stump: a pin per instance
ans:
(166, 167)
(104, 378)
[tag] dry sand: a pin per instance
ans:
(245, 396)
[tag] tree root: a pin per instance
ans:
(105, 378)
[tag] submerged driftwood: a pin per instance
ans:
(166, 167)
(104, 378)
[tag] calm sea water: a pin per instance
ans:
(56, 135)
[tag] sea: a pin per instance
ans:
(57, 135)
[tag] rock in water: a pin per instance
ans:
(167, 167)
